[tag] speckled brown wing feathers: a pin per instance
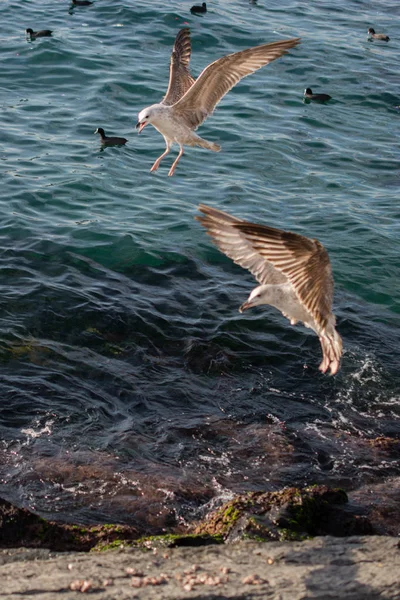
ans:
(220, 76)
(304, 261)
(275, 256)
(180, 79)
(222, 227)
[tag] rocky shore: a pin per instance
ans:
(356, 568)
(291, 544)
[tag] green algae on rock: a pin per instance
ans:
(289, 514)
(21, 527)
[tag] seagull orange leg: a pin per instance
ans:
(172, 169)
(159, 159)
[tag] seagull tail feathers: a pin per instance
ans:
(332, 346)
(207, 145)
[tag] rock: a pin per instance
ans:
(322, 568)
(288, 514)
(292, 514)
(21, 528)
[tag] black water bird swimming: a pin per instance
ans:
(36, 34)
(199, 9)
(377, 36)
(81, 2)
(110, 141)
(308, 95)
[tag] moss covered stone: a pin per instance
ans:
(290, 514)
(21, 527)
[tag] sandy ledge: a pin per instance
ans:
(325, 567)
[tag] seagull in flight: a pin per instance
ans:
(294, 273)
(189, 102)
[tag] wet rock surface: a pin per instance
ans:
(381, 502)
(20, 527)
(291, 514)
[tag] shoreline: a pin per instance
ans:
(292, 544)
(353, 568)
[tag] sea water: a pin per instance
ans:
(131, 388)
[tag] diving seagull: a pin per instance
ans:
(294, 272)
(189, 102)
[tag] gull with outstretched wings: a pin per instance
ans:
(294, 272)
(188, 103)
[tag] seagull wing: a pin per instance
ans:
(180, 79)
(223, 228)
(304, 261)
(275, 256)
(220, 76)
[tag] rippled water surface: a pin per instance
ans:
(131, 388)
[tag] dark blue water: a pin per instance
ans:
(131, 389)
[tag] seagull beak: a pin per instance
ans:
(141, 126)
(245, 306)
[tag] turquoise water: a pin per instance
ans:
(132, 389)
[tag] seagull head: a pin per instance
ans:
(145, 116)
(256, 297)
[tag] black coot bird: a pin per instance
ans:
(308, 95)
(199, 9)
(81, 2)
(36, 34)
(110, 141)
(377, 36)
